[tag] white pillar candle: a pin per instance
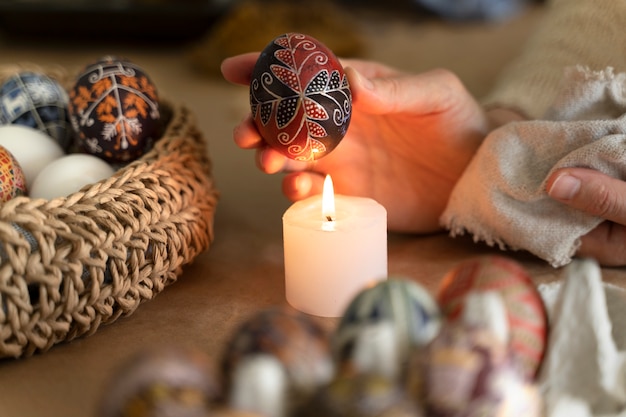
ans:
(334, 246)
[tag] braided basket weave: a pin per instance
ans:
(71, 264)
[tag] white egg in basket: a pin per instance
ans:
(69, 174)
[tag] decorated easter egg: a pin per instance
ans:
(366, 395)
(523, 303)
(382, 324)
(164, 382)
(114, 108)
(275, 354)
(300, 98)
(12, 180)
(32, 148)
(69, 174)
(468, 373)
(38, 101)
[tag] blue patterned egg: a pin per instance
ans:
(38, 101)
(382, 324)
(114, 109)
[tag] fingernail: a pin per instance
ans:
(565, 187)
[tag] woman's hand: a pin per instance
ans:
(410, 138)
(600, 195)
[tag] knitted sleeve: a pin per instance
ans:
(572, 32)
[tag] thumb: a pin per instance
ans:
(423, 93)
(590, 191)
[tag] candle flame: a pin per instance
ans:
(328, 200)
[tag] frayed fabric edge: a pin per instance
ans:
(455, 229)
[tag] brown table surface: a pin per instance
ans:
(243, 270)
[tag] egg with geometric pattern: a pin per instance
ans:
(114, 109)
(383, 324)
(38, 101)
(299, 97)
(12, 180)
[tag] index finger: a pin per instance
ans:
(238, 69)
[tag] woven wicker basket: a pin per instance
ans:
(71, 264)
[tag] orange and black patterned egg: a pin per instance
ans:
(300, 98)
(12, 180)
(114, 109)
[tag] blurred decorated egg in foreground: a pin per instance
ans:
(365, 395)
(468, 372)
(165, 382)
(114, 108)
(523, 303)
(38, 101)
(69, 174)
(300, 98)
(12, 181)
(32, 148)
(277, 352)
(382, 324)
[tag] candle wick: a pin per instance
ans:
(329, 218)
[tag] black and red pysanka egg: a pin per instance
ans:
(300, 98)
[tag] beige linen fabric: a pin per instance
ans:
(571, 32)
(501, 198)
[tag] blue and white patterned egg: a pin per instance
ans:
(386, 321)
(38, 101)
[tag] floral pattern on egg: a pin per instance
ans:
(114, 108)
(12, 181)
(299, 97)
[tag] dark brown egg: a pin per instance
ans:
(300, 98)
(114, 109)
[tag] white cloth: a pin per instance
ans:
(584, 370)
(501, 197)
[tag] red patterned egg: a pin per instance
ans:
(114, 109)
(524, 306)
(12, 180)
(300, 98)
